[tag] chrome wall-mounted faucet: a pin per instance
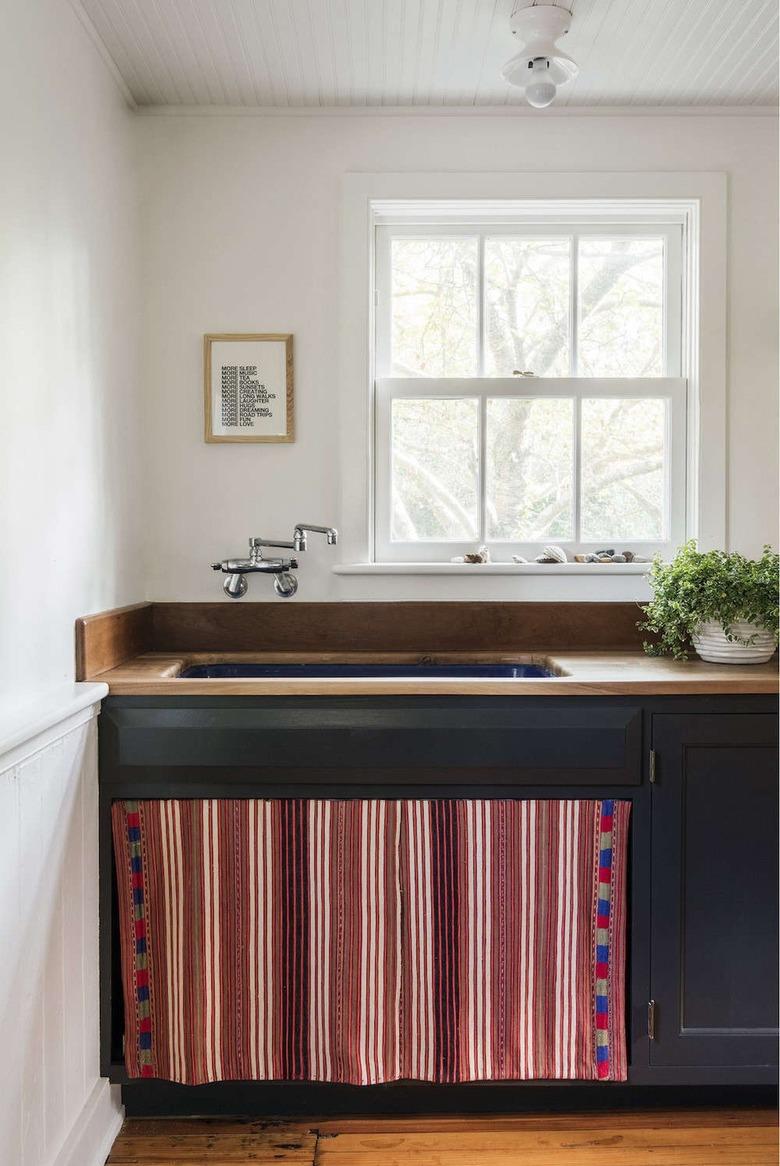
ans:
(285, 583)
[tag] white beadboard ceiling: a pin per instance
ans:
(358, 53)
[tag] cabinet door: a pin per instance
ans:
(714, 891)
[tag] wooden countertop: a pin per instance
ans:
(577, 674)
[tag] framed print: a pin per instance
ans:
(248, 383)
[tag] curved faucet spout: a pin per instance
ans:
(301, 529)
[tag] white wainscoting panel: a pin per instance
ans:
(54, 1107)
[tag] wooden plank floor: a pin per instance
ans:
(713, 1137)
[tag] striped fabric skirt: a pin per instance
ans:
(370, 941)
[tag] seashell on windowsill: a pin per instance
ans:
(552, 554)
(481, 555)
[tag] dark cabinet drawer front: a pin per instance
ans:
(576, 745)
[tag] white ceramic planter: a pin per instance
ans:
(710, 642)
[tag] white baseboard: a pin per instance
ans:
(93, 1132)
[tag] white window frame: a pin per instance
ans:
(671, 387)
(699, 197)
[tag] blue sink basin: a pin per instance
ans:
(240, 671)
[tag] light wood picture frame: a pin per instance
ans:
(248, 386)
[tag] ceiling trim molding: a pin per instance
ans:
(93, 34)
(455, 110)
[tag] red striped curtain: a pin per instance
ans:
(368, 941)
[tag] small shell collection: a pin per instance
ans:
(610, 556)
(556, 554)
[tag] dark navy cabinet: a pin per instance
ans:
(700, 773)
(714, 895)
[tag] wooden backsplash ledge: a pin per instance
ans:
(106, 640)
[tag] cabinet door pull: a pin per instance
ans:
(651, 1020)
(652, 767)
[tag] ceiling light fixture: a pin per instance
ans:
(540, 66)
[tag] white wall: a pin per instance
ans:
(70, 520)
(240, 223)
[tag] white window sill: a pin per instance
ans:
(476, 569)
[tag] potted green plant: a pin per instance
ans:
(723, 604)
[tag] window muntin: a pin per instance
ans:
(588, 452)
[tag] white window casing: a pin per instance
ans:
(687, 210)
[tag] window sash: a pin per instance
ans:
(672, 389)
(672, 234)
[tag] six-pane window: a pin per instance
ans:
(528, 388)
